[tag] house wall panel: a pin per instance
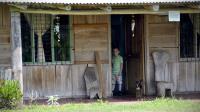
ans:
(164, 35)
(62, 80)
(161, 35)
(5, 55)
(90, 34)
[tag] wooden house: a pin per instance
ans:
(47, 44)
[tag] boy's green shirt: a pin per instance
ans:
(116, 64)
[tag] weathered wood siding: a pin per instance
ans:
(53, 80)
(5, 55)
(62, 80)
(163, 35)
(90, 34)
(189, 77)
(160, 35)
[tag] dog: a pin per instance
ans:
(139, 87)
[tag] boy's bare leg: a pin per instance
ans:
(113, 82)
(119, 81)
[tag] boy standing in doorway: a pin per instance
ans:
(117, 66)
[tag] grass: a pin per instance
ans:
(157, 105)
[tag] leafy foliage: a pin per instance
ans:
(10, 94)
(53, 100)
(33, 95)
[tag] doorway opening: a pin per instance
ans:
(127, 35)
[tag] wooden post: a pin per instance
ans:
(109, 56)
(16, 49)
(101, 75)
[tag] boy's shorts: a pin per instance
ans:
(114, 79)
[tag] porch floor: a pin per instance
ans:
(119, 99)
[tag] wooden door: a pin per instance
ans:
(134, 51)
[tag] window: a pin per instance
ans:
(45, 39)
(189, 36)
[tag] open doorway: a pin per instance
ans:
(127, 36)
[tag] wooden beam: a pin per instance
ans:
(146, 54)
(59, 6)
(101, 12)
(101, 75)
(109, 57)
(91, 62)
(16, 48)
(17, 6)
(194, 6)
(154, 7)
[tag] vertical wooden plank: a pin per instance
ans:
(175, 73)
(25, 87)
(44, 89)
(32, 40)
(71, 39)
(66, 80)
(101, 75)
(25, 83)
(190, 76)
(151, 79)
(50, 80)
(109, 79)
(146, 53)
(29, 79)
(197, 76)
(182, 77)
(1, 16)
(37, 72)
(58, 80)
(6, 16)
(52, 39)
(78, 83)
(63, 81)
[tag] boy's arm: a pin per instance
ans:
(121, 68)
(121, 65)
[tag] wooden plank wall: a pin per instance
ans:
(90, 34)
(160, 35)
(5, 55)
(62, 80)
(164, 35)
(54, 80)
(189, 77)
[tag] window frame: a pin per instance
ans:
(190, 59)
(53, 62)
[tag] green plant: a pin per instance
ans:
(10, 94)
(53, 100)
(33, 97)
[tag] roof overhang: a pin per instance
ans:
(96, 7)
(111, 2)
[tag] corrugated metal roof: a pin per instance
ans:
(99, 1)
